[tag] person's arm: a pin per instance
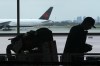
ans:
(87, 47)
(8, 51)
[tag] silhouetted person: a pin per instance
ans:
(44, 35)
(76, 45)
(21, 43)
(10, 47)
(46, 46)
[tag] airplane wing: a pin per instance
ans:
(4, 24)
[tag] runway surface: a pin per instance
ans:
(54, 29)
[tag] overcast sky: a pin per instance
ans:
(63, 9)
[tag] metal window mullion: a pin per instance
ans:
(18, 17)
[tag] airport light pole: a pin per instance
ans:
(18, 17)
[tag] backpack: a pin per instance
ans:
(23, 42)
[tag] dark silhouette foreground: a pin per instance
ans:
(35, 46)
(76, 45)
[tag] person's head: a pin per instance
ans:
(44, 34)
(88, 23)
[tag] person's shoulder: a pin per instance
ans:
(76, 26)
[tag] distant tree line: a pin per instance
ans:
(65, 23)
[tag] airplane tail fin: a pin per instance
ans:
(47, 14)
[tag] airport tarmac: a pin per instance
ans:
(55, 29)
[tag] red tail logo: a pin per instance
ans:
(46, 15)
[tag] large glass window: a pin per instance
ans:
(8, 15)
(65, 14)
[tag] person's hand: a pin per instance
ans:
(89, 47)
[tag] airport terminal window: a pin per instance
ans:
(64, 15)
(61, 17)
(8, 15)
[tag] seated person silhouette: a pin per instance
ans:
(21, 43)
(76, 45)
(46, 50)
(40, 45)
(46, 45)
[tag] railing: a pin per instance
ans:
(90, 59)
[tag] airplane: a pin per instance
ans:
(5, 24)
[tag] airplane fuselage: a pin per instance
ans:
(25, 22)
(44, 19)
